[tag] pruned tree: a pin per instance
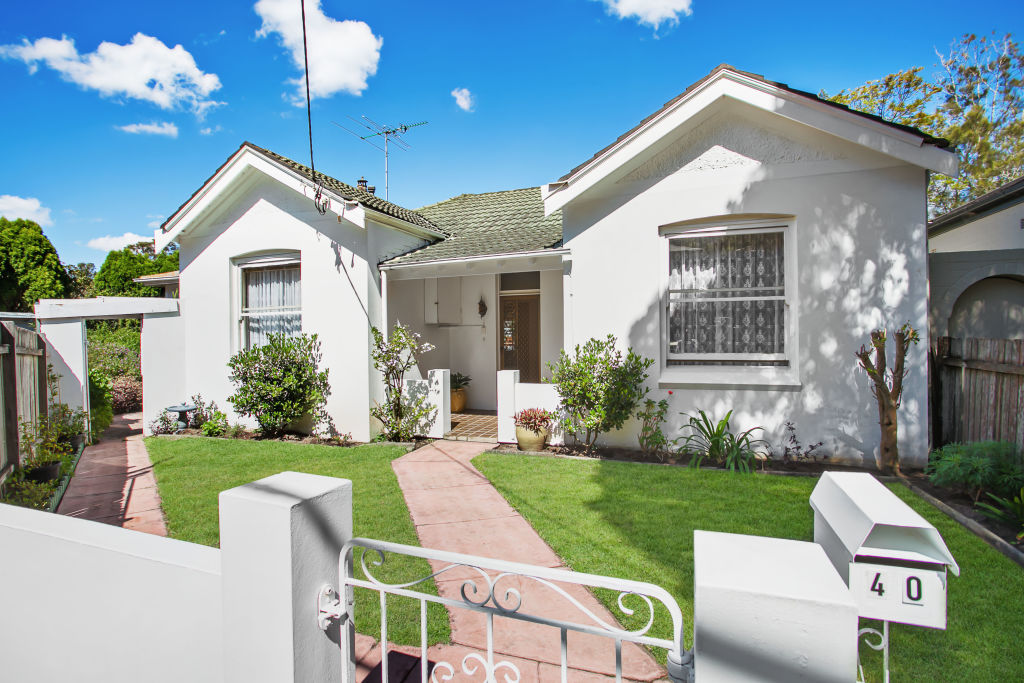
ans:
(887, 387)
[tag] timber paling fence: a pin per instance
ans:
(22, 386)
(980, 391)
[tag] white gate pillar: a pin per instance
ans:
(280, 540)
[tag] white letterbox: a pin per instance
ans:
(893, 561)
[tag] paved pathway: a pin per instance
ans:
(455, 508)
(114, 481)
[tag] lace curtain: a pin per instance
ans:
(273, 304)
(727, 294)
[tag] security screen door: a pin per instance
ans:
(519, 336)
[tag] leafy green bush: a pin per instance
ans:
(115, 348)
(1009, 511)
(977, 468)
(216, 425)
(29, 494)
(460, 381)
(403, 413)
(652, 439)
(714, 441)
(165, 423)
(279, 382)
(203, 412)
(598, 387)
(101, 402)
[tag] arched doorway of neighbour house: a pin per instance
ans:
(991, 308)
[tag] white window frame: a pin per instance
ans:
(778, 368)
(241, 266)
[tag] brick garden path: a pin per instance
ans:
(455, 508)
(114, 481)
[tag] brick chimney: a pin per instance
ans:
(361, 183)
(372, 189)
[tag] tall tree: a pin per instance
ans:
(29, 266)
(975, 100)
(82, 276)
(122, 266)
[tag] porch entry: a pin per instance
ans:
(519, 337)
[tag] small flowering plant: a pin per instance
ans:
(534, 419)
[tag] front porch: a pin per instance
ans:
(474, 425)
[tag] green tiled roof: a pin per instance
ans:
(488, 224)
(353, 193)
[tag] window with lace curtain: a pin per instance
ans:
(726, 299)
(271, 301)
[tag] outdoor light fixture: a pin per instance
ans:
(482, 307)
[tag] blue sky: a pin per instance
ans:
(105, 140)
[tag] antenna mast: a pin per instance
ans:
(389, 133)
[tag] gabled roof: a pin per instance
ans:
(488, 224)
(349, 192)
(332, 185)
(925, 137)
(1010, 193)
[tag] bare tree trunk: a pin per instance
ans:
(887, 394)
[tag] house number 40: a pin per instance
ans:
(913, 589)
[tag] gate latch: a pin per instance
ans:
(328, 608)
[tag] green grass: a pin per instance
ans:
(192, 471)
(636, 521)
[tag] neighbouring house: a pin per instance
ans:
(747, 237)
(976, 267)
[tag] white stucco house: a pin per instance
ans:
(747, 237)
(976, 266)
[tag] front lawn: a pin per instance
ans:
(636, 521)
(192, 471)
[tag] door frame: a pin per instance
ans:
(518, 293)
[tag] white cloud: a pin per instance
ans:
(463, 98)
(154, 224)
(144, 69)
(650, 12)
(153, 128)
(29, 208)
(114, 242)
(210, 130)
(342, 54)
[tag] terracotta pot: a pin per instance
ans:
(530, 440)
(458, 400)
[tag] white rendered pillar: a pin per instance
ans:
(439, 395)
(507, 381)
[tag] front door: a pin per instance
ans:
(520, 336)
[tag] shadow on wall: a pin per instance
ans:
(847, 286)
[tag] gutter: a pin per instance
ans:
(475, 259)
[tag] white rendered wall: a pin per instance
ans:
(999, 230)
(66, 350)
(474, 349)
(859, 238)
(340, 292)
(164, 368)
(95, 603)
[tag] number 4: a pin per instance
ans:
(876, 585)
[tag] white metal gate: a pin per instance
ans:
(488, 591)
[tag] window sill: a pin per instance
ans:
(729, 377)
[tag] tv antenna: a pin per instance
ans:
(389, 133)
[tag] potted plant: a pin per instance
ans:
(42, 452)
(533, 426)
(459, 384)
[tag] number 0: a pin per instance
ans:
(913, 588)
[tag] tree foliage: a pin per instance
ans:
(82, 277)
(29, 266)
(403, 413)
(122, 266)
(975, 100)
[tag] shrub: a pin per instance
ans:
(216, 425)
(203, 412)
(977, 468)
(279, 382)
(1009, 511)
(126, 394)
(402, 414)
(599, 389)
(714, 441)
(101, 402)
(29, 494)
(652, 439)
(794, 451)
(534, 419)
(114, 348)
(164, 424)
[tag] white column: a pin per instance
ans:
(280, 540)
(164, 365)
(66, 350)
(507, 381)
(439, 395)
